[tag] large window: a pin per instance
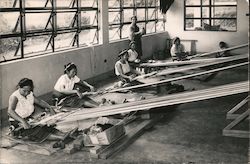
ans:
(147, 12)
(210, 15)
(35, 27)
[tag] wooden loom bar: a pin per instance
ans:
(231, 115)
(148, 101)
(228, 131)
(180, 78)
(217, 51)
(159, 99)
(158, 102)
(166, 63)
(186, 68)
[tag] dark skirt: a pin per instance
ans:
(73, 100)
(38, 133)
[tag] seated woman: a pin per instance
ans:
(222, 46)
(122, 69)
(178, 51)
(72, 90)
(132, 54)
(21, 107)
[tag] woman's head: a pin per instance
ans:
(123, 55)
(176, 40)
(25, 86)
(222, 44)
(134, 19)
(132, 45)
(70, 69)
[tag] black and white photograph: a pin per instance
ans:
(124, 81)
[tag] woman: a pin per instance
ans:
(122, 69)
(21, 107)
(178, 51)
(72, 90)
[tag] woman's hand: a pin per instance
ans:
(130, 78)
(25, 124)
(92, 89)
(79, 94)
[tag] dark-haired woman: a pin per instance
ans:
(72, 90)
(20, 110)
(178, 50)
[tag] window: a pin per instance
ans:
(35, 27)
(210, 15)
(121, 11)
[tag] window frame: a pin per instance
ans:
(120, 9)
(209, 18)
(53, 31)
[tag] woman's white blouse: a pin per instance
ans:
(64, 83)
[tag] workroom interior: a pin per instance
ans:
(191, 108)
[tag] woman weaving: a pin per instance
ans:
(72, 90)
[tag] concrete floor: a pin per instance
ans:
(192, 133)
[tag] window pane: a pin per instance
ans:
(8, 22)
(128, 3)
(88, 18)
(34, 45)
(128, 13)
(160, 26)
(151, 3)
(125, 31)
(8, 4)
(225, 24)
(151, 14)
(8, 48)
(64, 40)
(87, 37)
(205, 12)
(88, 3)
(32, 23)
(63, 3)
(150, 27)
(114, 3)
(193, 24)
(114, 33)
(205, 2)
(141, 25)
(224, 12)
(64, 19)
(224, 2)
(157, 3)
(140, 14)
(140, 3)
(35, 3)
(193, 2)
(193, 12)
(114, 17)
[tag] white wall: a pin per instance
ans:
(45, 70)
(208, 40)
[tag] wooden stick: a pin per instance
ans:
(160, 101)
(237, 120)
(237, 107)
(186, 68)
(217, 51)
(179, 78)
(165, 63)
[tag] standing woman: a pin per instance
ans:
(72, 90)
(135, 35)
